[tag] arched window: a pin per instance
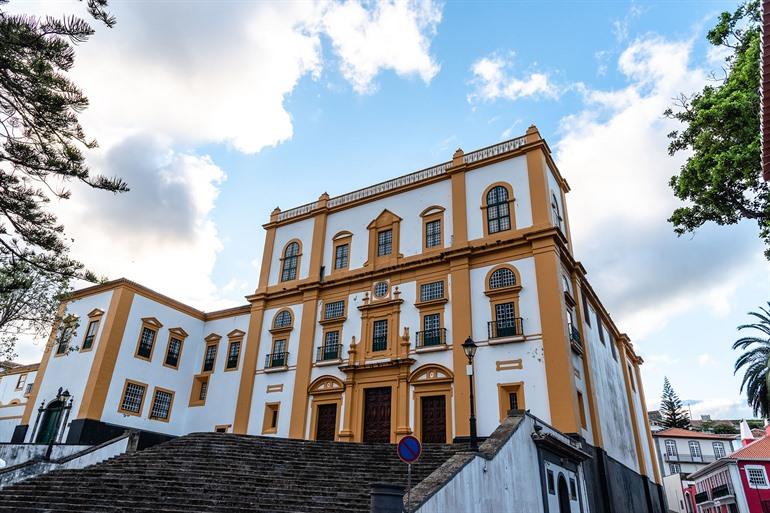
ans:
(498, 210)
(282, 319)
(290, 260)
(503, 277)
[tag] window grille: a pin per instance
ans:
(233, 354)
(431, 291)
(334, 309)
(161, 405)
(503, 277)
(513, 401)
(145, 344)
(381, 289)
(290, 259)
(380, 339)
(431, 322)
(384, 242)
(203, 390)
(132, 398)
(498, 210)
(433, 233)
(757, 477)
(211, 354)
(279, 346)
(88, 341)
(172, 354)
(331, 340)
(282, 319)
(341, 256)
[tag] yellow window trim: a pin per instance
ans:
(152, 405)
(230, 342)
(434, 213)
(94, 315)
(503, 390)
(340, 239)
(267, 428)
(212, 340)
(153, 324)
(180, 335)
(195, 390)
(123, 397)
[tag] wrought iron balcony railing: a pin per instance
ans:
(689, 458)
(434, 337)
(722, 490)
(273, 360)
(574, 335)
(506, 328)
(380, 343)
(701, 497)
(328, 352)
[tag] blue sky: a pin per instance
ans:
(218, 112)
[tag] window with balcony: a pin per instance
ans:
(380, 335)
(330, 350)
(505, 324)
(432, 333)
(279, 357)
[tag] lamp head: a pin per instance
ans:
(469, 347)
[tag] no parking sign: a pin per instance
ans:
(409, 449)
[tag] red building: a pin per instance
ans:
(736, 484)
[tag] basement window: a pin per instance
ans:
(270, 422)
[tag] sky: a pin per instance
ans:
(216, 112)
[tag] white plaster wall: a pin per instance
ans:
(70, 371)
(153, 373)
(509, 482)
(223, 388)
(7, 425)
(611, 399)
(683, 449)
(512, 171)
(8, 390)
(672, 485)
(641, 411)
(302, 230)
(553, 498)
(407, 205)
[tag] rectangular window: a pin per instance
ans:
(612, 346)
(756, 476)
(146, 342)
(88, 341)
(600, 329)
(505, 320)
(133, 397)
(586, 310)
(551, 484)
(582, 408)
(631, 377)
(675, 468)
(209, 358)
(719, 449)
(380, 339)
(433, 234)
(432, 332)
(671, 449)
(341, 255)
(513, 401)
(161, 404)
(695, 449)
(20, 382)
(270, 422)
(173, 351)
(278, 358)
(331, 346)
(432, 291)
(572, 489)
(63, 343)
(334, 309)
(384, 242)
(233, 354)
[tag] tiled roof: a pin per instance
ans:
(686, 433)
(759, 450)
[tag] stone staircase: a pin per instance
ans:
(206, 472)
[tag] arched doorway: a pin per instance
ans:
(564, 505)
(49, 426)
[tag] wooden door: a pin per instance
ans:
(326, 422)
(377, 415)
(433, 419)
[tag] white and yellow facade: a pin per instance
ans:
(367, 297)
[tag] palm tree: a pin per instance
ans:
(756, 360)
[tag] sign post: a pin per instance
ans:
(409, 449)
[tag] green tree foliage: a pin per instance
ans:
(725, 429)
(756, 360)
(721, 181)
(671, 412)
(41, 151)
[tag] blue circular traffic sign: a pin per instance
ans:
(409, 449)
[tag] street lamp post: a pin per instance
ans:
(469, 347)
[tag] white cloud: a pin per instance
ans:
(615, 149)
(493, 81)
(394, 35)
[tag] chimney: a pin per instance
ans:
(746, 436)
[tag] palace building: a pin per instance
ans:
(355, 329)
